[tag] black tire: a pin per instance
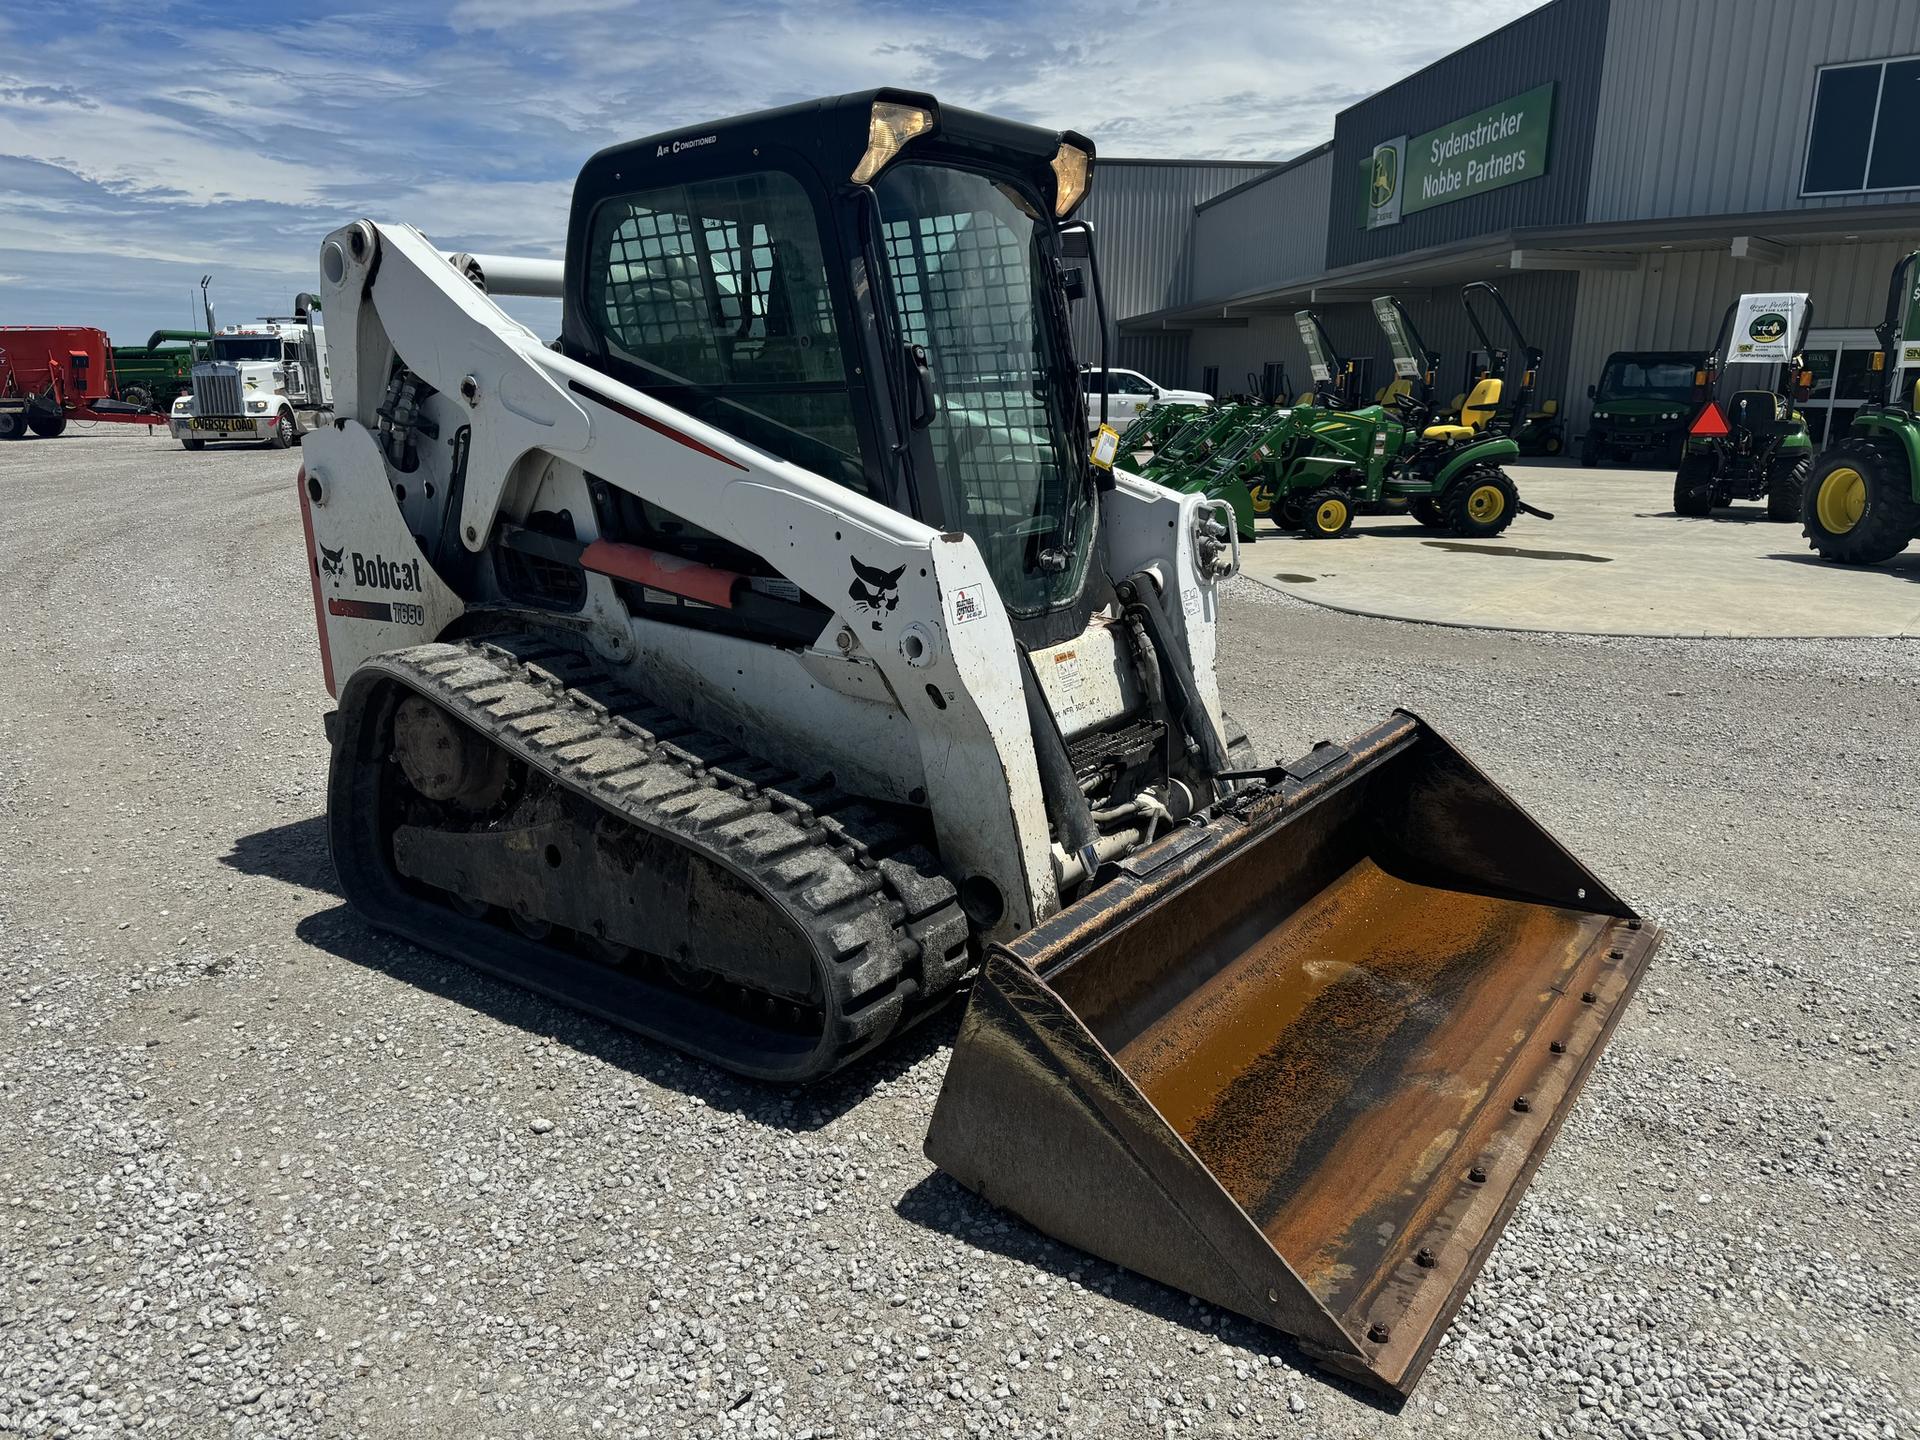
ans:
(1589, 453)
(1786, 486)
(13, 425)
(138, 395)
(1427, 511)
(1480, 502)
(1858, 506)
(1327, 514)
(193, 444)
(1693, 486)
(285, 431)
(1290, 511)
(47, 426)
(1552, 445)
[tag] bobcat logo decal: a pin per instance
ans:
(874, 590)
(333, 561)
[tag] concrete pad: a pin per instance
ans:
(1614, 560)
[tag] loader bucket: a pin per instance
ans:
(1301, 1060)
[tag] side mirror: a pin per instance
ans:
(1593, 392)
(1157, 392)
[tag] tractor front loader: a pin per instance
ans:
(768, 663)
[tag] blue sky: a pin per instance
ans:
(150, 143)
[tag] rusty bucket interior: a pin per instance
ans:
(1302, 1062)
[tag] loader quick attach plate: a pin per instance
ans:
(1302, 1060)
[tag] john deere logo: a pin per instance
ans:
(1767, 328)
(1386, 176)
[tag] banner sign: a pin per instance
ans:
(1405, 363)
(1317, 361)
(1764, 329)
(1500, 145)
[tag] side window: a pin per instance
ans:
(1864, 118)
(718, 292)
(1135, 385)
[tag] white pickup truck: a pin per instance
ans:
(1128, 393)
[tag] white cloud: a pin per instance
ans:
(201, 135)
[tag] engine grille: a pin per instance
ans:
(216, 390)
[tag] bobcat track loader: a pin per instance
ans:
(766, 662)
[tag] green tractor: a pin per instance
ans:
(1862, 502)
(1195, 442)
(1151, 428)
(1757, 446)
(1339, 459)
(153, 375)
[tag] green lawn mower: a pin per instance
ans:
(1862, 501)
(1756, 446)
(1345, 460)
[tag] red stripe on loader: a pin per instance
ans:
(313, 574)
(687, 578)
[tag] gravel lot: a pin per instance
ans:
(266, 1173)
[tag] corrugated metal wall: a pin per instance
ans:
(1142, 214)
(1674, 301)
(1562, 42)
(1543, 303)
(1705, 103)
(1266, 233)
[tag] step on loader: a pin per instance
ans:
(767, 663)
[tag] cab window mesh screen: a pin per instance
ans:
(963, 288)
(718, 292)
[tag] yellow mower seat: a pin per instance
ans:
(1474, 415)
(1550, 408)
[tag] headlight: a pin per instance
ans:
(180, 402)
(258, 407)
(889, 128)
(1070, 167)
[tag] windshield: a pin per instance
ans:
(246, 347)
(1647, 380)
(970, 265)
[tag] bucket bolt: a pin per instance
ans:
(1379, 1334)
(1616, 954)
(1559, 1047)
(1426, 1259)
(1522, 1104)
(1478, 1175)
(1587, 997)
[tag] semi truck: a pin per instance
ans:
(266, 381)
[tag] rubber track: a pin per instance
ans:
(885, 924)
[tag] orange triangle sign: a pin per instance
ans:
(1711, 420)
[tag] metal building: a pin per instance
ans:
(1621, 169)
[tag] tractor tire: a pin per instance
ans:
(1327, 514)
(1858, 506)
(1786, 485)
(193, 444)
(1589, 453)
(13, 425)
(285, 432)
(1693, 487)
(1427, 511)
(1552, 445)
(47, 426)
(138, 395)
(1481, 502)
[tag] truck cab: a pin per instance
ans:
(263, 381)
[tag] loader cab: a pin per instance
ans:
(871, 287)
